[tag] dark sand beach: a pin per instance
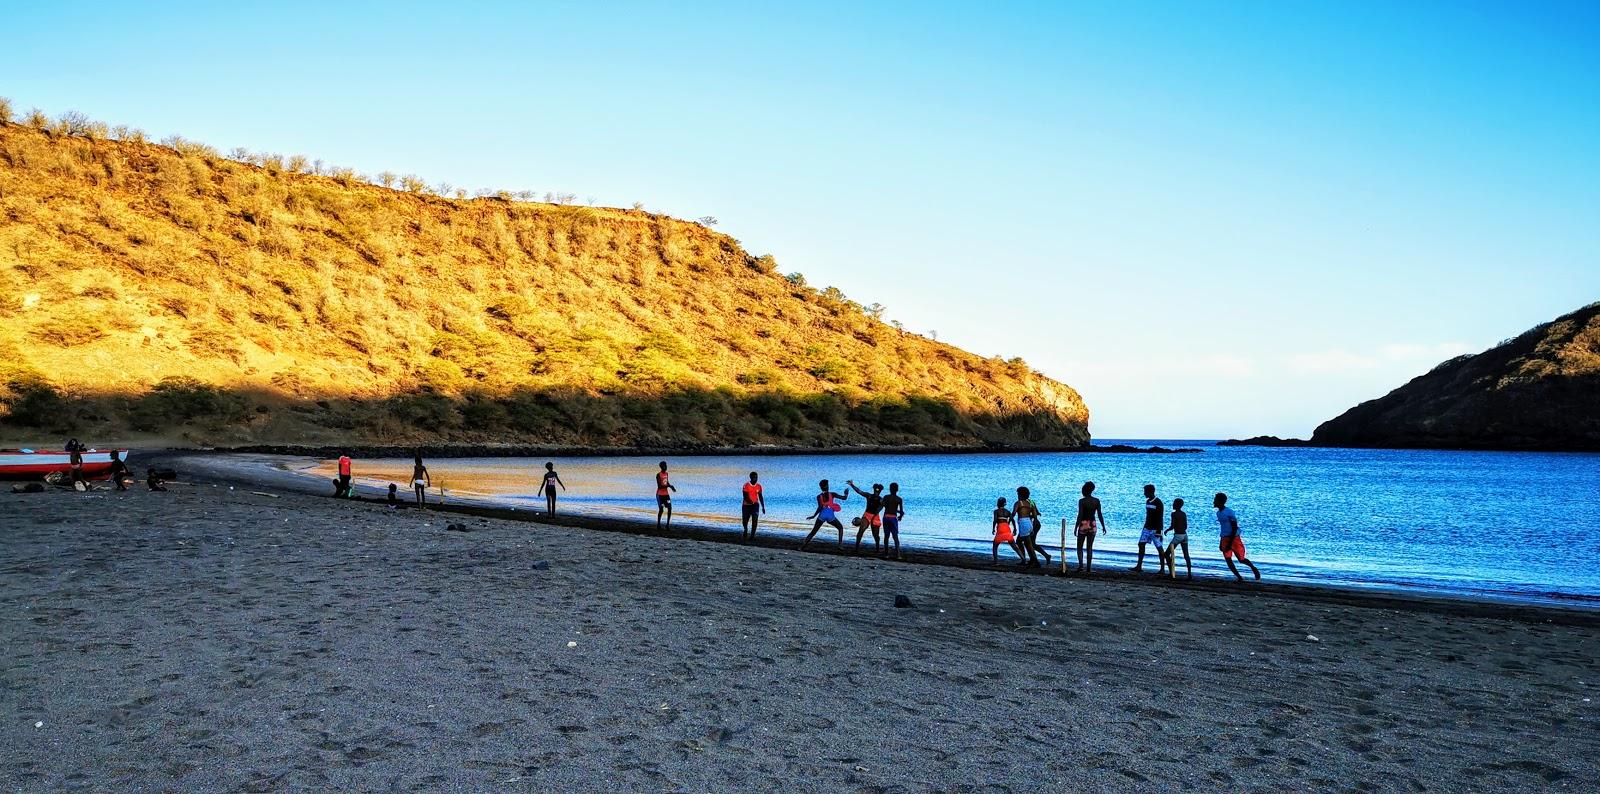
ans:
(211, 639)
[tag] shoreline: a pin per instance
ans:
(258, 475)
(524, 451)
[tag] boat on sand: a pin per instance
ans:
(53, 465)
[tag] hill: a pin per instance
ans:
(167, 290)
(1540, 390)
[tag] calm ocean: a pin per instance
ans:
(1505, 525)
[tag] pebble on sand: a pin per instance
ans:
(1313, 638)
(572, 643)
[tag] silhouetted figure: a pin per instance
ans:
(752, 503)
(75, 461)
(551, 480)
(153, 482)
(394, 495)
(1090, 521)
(121, 476)
(420, 480)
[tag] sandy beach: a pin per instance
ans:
(209, 639)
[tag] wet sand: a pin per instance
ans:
(221, 640)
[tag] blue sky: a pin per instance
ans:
(1213, 219)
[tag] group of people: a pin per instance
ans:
(1018, 527)
(1015, 524)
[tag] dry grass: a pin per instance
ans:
(411, 314)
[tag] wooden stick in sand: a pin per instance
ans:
(1063, 547)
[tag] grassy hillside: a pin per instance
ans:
(1540, 390)
(152, 289)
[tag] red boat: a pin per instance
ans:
(53, 465)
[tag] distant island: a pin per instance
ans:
(171, 292)
(1537, 391)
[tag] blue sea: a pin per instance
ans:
(1486, 525)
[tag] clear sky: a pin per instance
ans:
(1212, 219)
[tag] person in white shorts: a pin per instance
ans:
(1151, 534)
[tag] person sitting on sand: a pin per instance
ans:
(1003, 533)
(344, 477)
(1090, 520)
(120, 475)
(1180, 537)
(394, 495)
(1151, 534)
(664, 490)
(551, 480)
(894, 509)
(752, 503)
(827, 512)
(1232, 544)
(153, 482)
(1028, 525)
(420, 480)
(870, 516)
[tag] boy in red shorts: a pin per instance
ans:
(1232, 544)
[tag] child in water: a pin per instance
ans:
(1003, 533)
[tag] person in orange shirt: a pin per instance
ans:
(344, 476)
(754, 503)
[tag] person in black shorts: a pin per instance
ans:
(551, 480)
(664, 490)
(752, 503)
(894, 509)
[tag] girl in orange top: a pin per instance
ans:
(1003, 533)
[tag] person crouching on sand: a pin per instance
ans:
(1003, 533)
(894, 509)
(1027, 515)
(420, 480)
(1180, 537)
(752, 503)
(827, 512)
(870, 517)
(1090, 520)
(1232, 544)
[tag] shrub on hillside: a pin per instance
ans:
(69, 331)
(182, 400)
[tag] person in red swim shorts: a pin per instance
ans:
(1232, 544)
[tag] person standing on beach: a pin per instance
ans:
(420, 480)
(870, 517)
(1180, 537)
(894, 509)
(1232, 544)
(344, 476)
(1027, 515)
(664, 490)
(827, 512)
(1003, 533)
(1151, 534)
(551, 480)
(1090, 521)
(752, 503)
(75, 461)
